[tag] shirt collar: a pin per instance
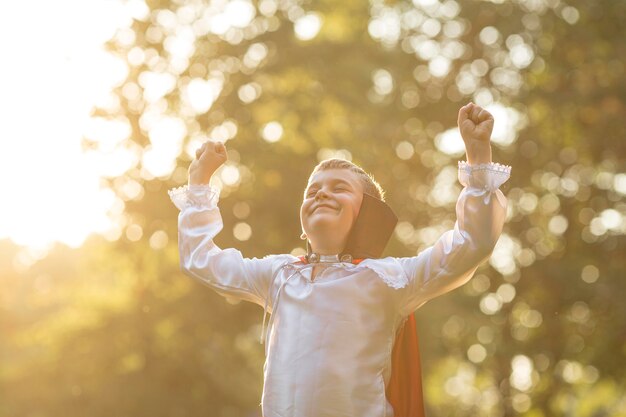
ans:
(388, 269)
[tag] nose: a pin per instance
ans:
(321, 193)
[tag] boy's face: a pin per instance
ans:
(331, 204)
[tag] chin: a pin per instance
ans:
(321, 226)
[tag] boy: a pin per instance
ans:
(334, 320)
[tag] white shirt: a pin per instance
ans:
(329, 341)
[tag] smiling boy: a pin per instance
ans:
(334, 321)
(330, 206)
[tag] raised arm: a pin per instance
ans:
(480, 211)
(199, 221)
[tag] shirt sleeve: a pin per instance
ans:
(224, 270)
(453, 259)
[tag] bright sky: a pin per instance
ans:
(53, 71)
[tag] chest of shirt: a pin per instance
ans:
(334, 291)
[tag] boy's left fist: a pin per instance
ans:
(475, 123)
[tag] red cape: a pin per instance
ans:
(404, 391)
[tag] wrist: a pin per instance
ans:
(478, 152)
(199, 180)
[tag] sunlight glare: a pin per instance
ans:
(200, 94)
(308, 26)
(50, 84)
(166, 138)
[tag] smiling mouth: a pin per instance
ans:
(323, 206)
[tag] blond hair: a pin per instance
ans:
(370, 186)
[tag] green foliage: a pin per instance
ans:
(116, 329)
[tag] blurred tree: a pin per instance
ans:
(114, 328)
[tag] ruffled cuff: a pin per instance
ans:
(197, 195)
(484, 176)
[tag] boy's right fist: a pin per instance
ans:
(209, 157)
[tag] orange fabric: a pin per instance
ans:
(405, 385)
(404, 391)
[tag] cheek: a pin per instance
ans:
(351, 210)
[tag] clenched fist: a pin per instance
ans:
(476, 125)
(209, 157)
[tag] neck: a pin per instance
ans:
(327, 250)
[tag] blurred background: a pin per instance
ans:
(103, 103)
